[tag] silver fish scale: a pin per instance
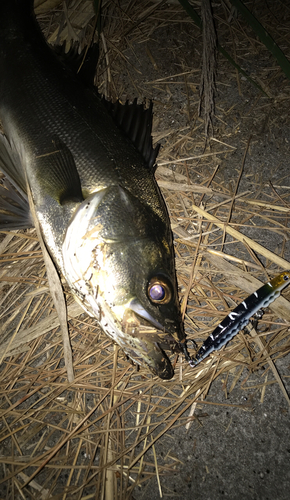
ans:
(101, 158)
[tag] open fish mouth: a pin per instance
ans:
(142, 343)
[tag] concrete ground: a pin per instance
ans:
(232, 453)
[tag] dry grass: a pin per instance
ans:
(95, 437)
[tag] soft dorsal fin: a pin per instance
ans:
(82, 64)
(136, 123)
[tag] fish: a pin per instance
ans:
(237, 319)
(89, 165)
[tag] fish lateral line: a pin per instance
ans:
(238, 319)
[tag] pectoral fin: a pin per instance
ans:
(57, 174)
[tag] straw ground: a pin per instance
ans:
(105, 434)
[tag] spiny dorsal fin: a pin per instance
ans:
(136, 123)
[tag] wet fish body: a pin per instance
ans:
(90, 169)
(237, 319)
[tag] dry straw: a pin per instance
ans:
(99, 435)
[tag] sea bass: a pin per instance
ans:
(89, 166)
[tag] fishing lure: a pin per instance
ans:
(240, 316)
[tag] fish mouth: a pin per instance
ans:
(140, 343)
(135, 337)
(180, 345)
(141, 311)
(164, 340)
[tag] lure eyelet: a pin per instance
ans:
(159, 291)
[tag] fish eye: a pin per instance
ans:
(286, 277)
(159, 291)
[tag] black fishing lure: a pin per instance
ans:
(240, 316)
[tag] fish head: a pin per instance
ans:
(119, 262)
